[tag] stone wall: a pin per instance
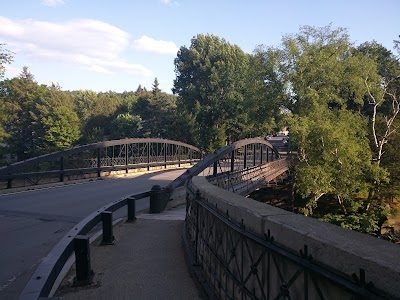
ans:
(343, 252)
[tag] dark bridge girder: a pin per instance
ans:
(243, 153)
(102, 156)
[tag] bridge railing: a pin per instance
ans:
(96, 160)
(243, 182)
(240, 155)
(46, 274)
(249, 250)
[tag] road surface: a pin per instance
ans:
(32, 222)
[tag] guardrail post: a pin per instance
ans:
(148, 156)
(126, 159)
(254, 155)
(9, 183)
(233, 161)
(62, 169)
(165, 155)
(156, 199)
(245, 157)
(179, 155)
(131, 209)
(108, 238)
(84, 272)
(98, 163)
(215, 169)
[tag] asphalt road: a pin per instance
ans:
(32, 222)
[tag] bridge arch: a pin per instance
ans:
(93, 159)
(243, 154)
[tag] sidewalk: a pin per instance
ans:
(148, 261)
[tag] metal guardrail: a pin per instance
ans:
(48, 270)
(237, 264)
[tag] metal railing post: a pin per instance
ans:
(215, 169)
(179, 155)
(233, 161)
(62, 169)
(131, 209)
(148, 156)
(106, 219)
(245, 157)
(254, 155)
(165, 155)
(84, 272)
(126, 159)
(98, 163)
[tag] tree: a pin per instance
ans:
(155, 90)
(19, 96)
(334, 157)
(40, 119)
(382, 107)
(61, 129)
(6, 57)
(264, 91)
(126, 126)
(322, 79)
(210, 84)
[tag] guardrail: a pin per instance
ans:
(76, 240)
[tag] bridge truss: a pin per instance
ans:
(94, 160)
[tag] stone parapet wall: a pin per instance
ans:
(341, 251)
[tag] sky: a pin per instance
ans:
(116, 45)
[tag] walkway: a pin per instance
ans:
(148, 261)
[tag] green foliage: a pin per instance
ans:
(6, 57)
(210, 84)
(40, 119)
(366, 222)
(126, 126)
(61, 129)
(334, 155)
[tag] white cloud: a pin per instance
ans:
(148, 44)
(52, 3)
(91, 43)
(170, 2)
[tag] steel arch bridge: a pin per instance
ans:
(239, 167)
(95, 160)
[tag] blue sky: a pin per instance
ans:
(117, 45)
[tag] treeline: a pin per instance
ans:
(340, 103)
(38, 119)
